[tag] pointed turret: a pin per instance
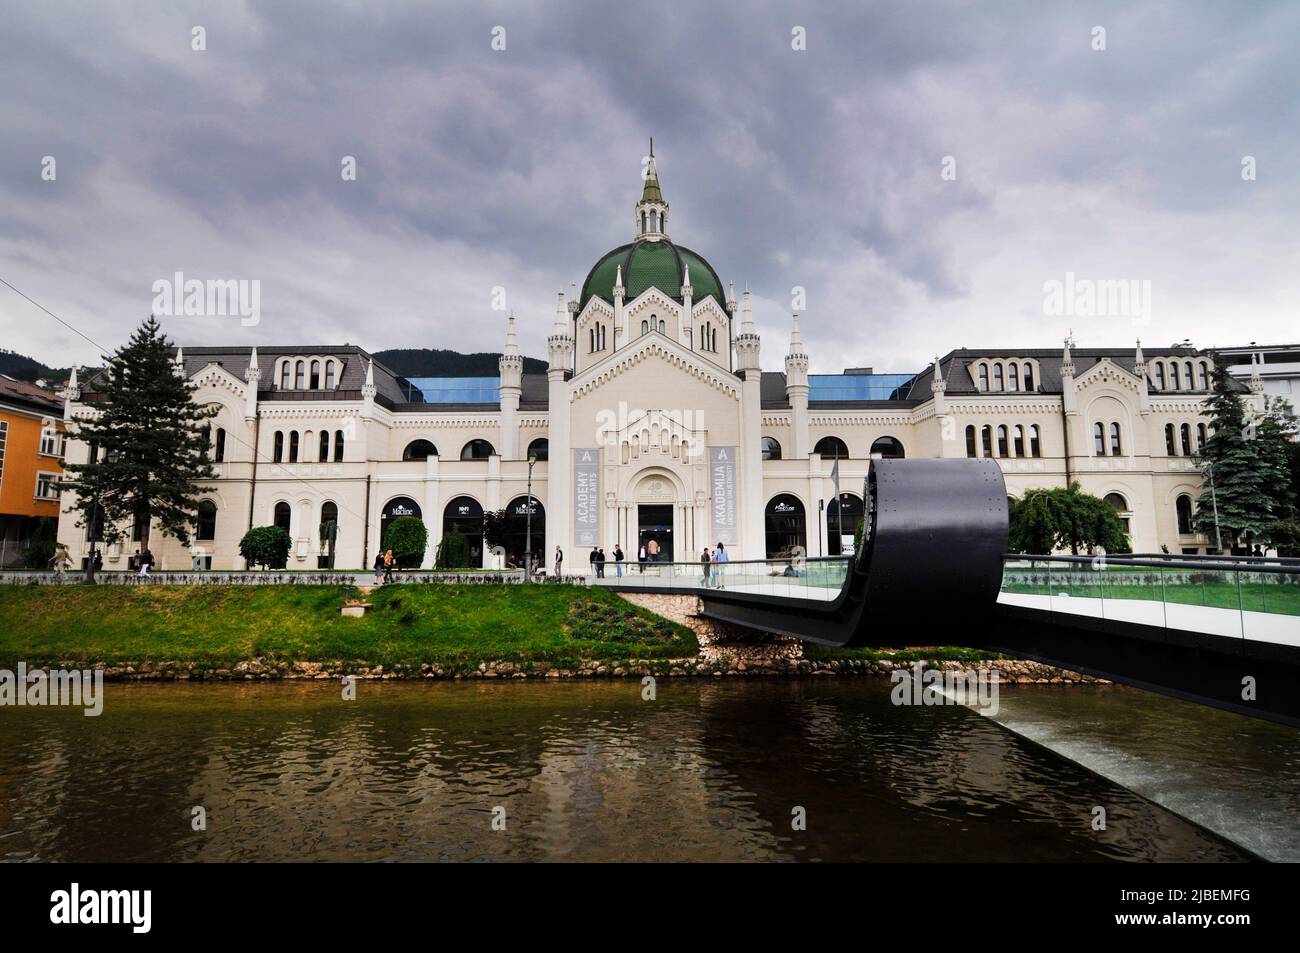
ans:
(560, 343)
(180, 363)
(652, 210)
(511, 367)
(1068, 402)
(747, 341)
(1140, 371)
(252, 374)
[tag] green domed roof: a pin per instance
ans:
(652, 264)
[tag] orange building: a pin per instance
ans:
(31, 463)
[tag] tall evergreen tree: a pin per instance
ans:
(151, 439)
(1241, 480)
(1275, 436)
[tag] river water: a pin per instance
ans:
(708, 770)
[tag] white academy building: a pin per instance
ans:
(654, 420)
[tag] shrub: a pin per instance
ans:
(453, 551)
(266, 546)
(407, 537)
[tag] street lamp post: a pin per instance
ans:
(528, 531)
(94, 532)
(1214, 501)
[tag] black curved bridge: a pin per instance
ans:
(932, 543)
(932, 569)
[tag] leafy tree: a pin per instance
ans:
(39, 552)
(407, 537)
(453, 551)
(496, 527)
(1059, 518)
(152, 442)
(266, 546)
(1242, 481)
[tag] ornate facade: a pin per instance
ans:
(654, 420)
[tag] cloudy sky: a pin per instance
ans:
(821, 168)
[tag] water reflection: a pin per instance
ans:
(585, 771)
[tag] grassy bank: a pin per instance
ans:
(218, 626)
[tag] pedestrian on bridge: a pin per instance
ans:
(719, 557)
(618, 560)
(706, 562)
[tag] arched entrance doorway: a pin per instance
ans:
(842, 518)
(786, 525)
(394, 508)
(520, 528)
(464, 515)
(653, 518)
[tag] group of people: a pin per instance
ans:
(385, 563)
(598, 560)
(711, 563)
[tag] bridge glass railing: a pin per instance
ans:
(1251, 599)
(821, 578)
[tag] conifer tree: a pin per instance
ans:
(1231, 457)
(150, 443)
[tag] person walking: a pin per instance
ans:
(595, 555)
(618, 560)
(61, 561)
(640, 559)
(146, 561)
(388, 566)
(706, 561)
(719, 557)
(600, 563)
(379, 568)
(559, 560)
(652, 549)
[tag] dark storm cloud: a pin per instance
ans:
(818, 169)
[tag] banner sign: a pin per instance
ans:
(586, 496)
(722, 479)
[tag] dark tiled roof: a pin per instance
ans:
(956, 366)
(29, 396)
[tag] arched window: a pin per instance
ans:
(831, 448)
(1173, 376)
(219, 455)
(1171, 448)
(329, 374)
(1018, 440)
(286, 375)
(1098, 440)
(890, 448)
(1029, 376)
(1200, 438)
(338, 446)
(283, 515)
(324, 446)
(786, 526)
(1003, 449)
(301, 381)
(645, 327)
(1183, 507)
(1185, 439)
(477, 450)
(771, 449)
(971, 450)
(843, 516)
(1205, 377)
(1013, 376)
(1191, 381)
(1120, 506)
(643, 223)
(662, 327)
(293, 446)
(983, 377)
(1160, 376)
(277, 454)
(315, 375)
(419, 450)
(1035, 445)
(329, 513)
(206, 524)
(997, 377)
(540, 449)
(1116, 446)
(986, 440)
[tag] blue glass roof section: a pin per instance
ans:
(856, 386)
(458, 390)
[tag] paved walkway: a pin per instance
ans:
(1208, 620)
